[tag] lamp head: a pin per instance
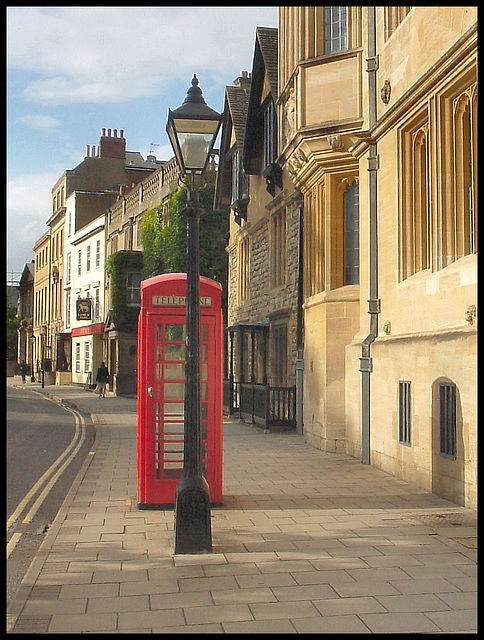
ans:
(192, 130)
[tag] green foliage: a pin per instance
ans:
(173, 234)
(13, 324)
(118, 267)
(165, 237)
(151, 239)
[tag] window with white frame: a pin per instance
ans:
(97, 306)
(78, 357)
(68, 308)
(98, 254)
(87, 359)
(133, 286)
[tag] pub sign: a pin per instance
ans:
(83, 309)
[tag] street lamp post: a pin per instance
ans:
(43, 335)
(192, 129)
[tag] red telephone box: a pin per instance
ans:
(161, 387)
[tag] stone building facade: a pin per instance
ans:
(378, 130)
(263, 244)
(25, 313)
(41, 315)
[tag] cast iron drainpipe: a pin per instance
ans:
(366, 362)
(299, 328)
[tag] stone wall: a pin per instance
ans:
(265, 301)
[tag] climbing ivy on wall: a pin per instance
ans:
(119, 266)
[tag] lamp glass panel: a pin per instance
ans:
(188, 125)
(195, 149)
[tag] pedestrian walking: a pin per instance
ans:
(22, 370)
(102, 378)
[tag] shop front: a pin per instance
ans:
(87, 353)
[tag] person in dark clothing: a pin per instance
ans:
(22, 370)
(102, 378)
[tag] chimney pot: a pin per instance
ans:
(242, 81)
(104, 131)
(88, 150)
(112, 146)
(121, 133)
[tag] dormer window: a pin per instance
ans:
(270, 133)
(260, 151)
(240, 189)
(272, 171)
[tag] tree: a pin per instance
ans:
(13, 324)
(164, 236)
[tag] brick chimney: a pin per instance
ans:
(112, 146)
(244, 80)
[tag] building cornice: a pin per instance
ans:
(75, 241)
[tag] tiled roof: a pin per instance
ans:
(238, 101)
(267, 37)
(264, 64)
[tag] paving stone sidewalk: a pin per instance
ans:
(305, 542)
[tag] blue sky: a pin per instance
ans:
(73, 70)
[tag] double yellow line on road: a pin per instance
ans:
(43, 486)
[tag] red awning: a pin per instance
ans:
(89, 330)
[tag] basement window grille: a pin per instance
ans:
(447, 421)
(404, 413)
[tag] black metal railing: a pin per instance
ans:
(231, 397)
(282, 406)
(260, 403)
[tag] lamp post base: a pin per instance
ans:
(193, 527)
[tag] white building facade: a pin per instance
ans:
(84, 291)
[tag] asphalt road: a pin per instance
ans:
(46, 446)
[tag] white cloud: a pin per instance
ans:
(102, 54)
(28, 209)
(39, 122)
